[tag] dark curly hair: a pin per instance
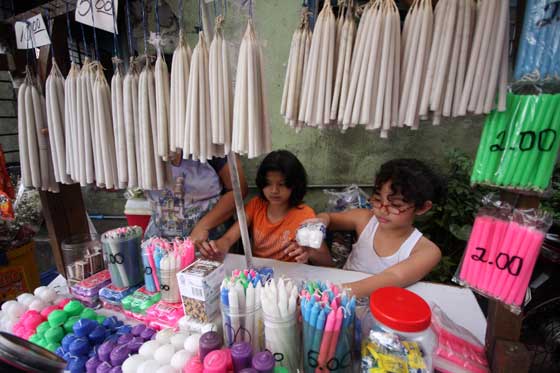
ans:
(413, 179)
(287, 163)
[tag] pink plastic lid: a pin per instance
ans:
(216, 362)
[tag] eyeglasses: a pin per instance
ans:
(391, 209)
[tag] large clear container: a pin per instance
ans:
(242, 325)
(83, 257)
(283, 339)
(124, 256)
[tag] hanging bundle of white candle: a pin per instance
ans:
(454, 20)
(316, 99)
(153, 168)
(178, 96)
(279, 304)
(373, 99)
(132, 125)
(221, 99)
(71, 121)
(488, 63)
(251, 133)
(54, 94)
(198, 126)
(346, 32)
(118, 109)
(162, 105)
(416, 39)
(297, 63)
(88, 160)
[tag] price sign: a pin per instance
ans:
(542, 141)
(32, 33)
(102, 13)
(503, 261)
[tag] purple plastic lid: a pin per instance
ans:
(92, 364)
(138, 329)
(209, 342)
(124, 339)
(135, 344)
(249, 370)
(105, 349)
(116, 370)
(119, 355)
(263, 362)
(241, 354)
(104, 367)
(147, 333)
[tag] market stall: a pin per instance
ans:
(130, 301)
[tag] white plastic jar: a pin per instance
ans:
(402, 312)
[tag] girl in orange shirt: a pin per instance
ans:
(274, 216)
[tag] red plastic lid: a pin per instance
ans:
(400, 309)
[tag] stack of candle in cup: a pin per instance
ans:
(121, 248)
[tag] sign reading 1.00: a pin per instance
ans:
(97, 13)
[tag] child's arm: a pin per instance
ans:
(352, 220)
(424, 257)
(218, 248)
(320, 257)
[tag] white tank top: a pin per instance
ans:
(364, 258)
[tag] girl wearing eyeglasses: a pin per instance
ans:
(389, 246)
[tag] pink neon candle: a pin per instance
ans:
(476, 267)
(336, 333)
(325, 342)
(492, 250)
(471, 245)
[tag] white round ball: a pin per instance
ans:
(148, 366)
(179, 360)
(178, 340)
(38, 305)
(38, 291)
(9, 324)
(191, 343)
(25, 299)
(164, 354)
(164, 336)
(7, 306)
(17, 310)
(148, 349)
(48, 295)
(166, 369)
(131, 364)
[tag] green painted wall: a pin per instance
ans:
(329, 156)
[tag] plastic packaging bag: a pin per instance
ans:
(538, 57)
(518, 147)
(385, 352)
(311, 233)
(502, 251)
(458, 350)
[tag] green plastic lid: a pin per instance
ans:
(281, 370)
(54, 334)
(69, 324)
(100, 319)
(35, 338)
(57, 318)
(88, 313)
(127, 302)
(74, 308)
(42, 328)
(53, 346)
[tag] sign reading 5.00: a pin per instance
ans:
(97, 13)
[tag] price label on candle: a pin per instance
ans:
(32, 33)
(334, 364)
(542, 141)
(97, 13)
(503, 261)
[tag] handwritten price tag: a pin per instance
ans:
(503, 261)
(102, 13)
(32, 33)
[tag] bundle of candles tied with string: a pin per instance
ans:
(121, 249)
(161, 260)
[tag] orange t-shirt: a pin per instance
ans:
(270, 239)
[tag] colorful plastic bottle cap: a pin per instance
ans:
(83, 327)
(216, 362)
(104, 351)
(69, 324)
(33, 320)
(194, 365)
(134, 344)
(209, 342)
(43, 327)
(138, 329)
(57, 318)
(281, 370)
(47, 311)
(147, 333)
(101, 319)
(119, 355)
(97, 335)
(179, 359)
(104, 367)
(52, 346)
(148, 366)
(92, 364)
(263, 362)
(124, 329)
(88, 313)
(124, 339)
(149, 348)
(166, 369)
(241, 354)
(131, 364)
(76, 364)
(67, 340)
(111, 322)
(73, 308)
(164, 354)
(79, 347)
(116, 370)
(54, 335)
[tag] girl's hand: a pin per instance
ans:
(299, 253)
(199, 236)
(215, 250)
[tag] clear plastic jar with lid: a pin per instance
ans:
(402, 312)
